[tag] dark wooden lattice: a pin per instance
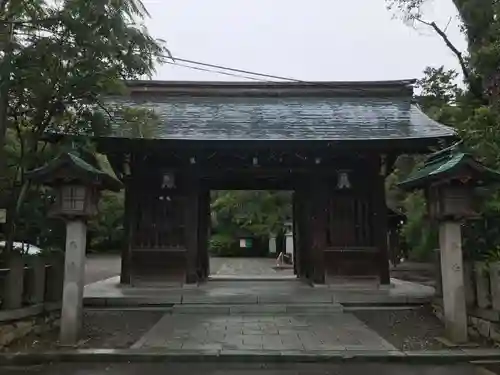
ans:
(160, 221)
(350, 221)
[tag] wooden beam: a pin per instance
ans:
(301, 233)
(328, 147)
(203, 233)
(318, 198)
(380, 227)
(192, 223)
(127, 232)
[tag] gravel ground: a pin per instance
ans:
(408, 329)
(102, 329)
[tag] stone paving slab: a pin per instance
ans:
(110, 293)
(247, 267)
(337, 331)
(258, 309)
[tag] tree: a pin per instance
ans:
(62, 60)
(474, 112)
(481, 25)
(249, 214)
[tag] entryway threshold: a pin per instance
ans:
(252, 278)
(271, 309)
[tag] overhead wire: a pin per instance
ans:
(222, 68)
(214, 71)
(242, 71)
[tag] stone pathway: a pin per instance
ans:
(111, 294)
(338, 331)
(247, 267)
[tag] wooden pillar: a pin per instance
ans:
(192, 224)
(317, 227)
(204, 235)
(301, 234)
(297, 258)
(127, 233)
(393, 245)
(380, 217)
(296, 250)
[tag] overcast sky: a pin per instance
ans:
(332, 40)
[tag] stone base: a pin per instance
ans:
(481, 322)
(157, 268)
(285, 292)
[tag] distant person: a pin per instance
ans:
(279, 260)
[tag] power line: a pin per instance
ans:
(275, 77)
(214, 71)
(236, 70)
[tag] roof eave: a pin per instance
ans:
(295, 88)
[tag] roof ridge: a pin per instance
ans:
(400, 82)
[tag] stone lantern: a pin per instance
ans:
(77, 186)
(449, 178)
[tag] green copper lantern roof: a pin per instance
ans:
(69, 168)
(447, 164)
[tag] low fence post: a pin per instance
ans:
(438, 274)
(14, 283)
(54, 279)
(35, 289)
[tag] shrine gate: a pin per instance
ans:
(331, 143)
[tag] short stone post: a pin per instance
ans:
(74, 272)
(289, 238)
(495, 285)
(482, 279)
(55, 278)
(14, 283)
(455, 311)
(272, 244)
(470, 292)
(36, 287)
(437, 265)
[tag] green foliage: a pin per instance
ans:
(247, 214)
(474, 112)
(254, 213)
(418, 232)
(106, 228)
(58, 63)
(224, 245)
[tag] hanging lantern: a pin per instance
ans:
(343, 181)
(168, 181)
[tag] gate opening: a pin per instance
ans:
(251, 234)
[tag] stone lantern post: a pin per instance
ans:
(448, 179)
(77, 185)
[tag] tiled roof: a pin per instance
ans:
(348, 113)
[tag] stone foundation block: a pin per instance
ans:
(483, 326)
(495, 332)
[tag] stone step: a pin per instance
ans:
(258, 309)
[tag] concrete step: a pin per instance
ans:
(258, 309)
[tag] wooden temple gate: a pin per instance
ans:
(332, 145)
(339, 212)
